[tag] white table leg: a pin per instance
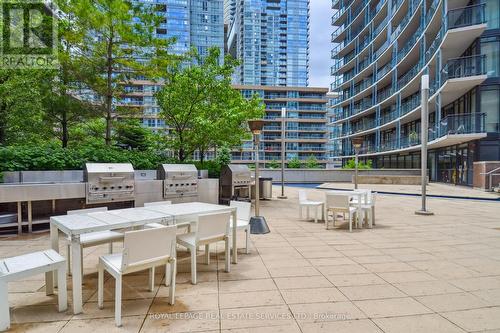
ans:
(54, 243)
(62, 293)
(235, 247)
(4, 307)
(76, 269)
(168, 268)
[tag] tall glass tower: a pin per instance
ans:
(271, 39)
(194, 23)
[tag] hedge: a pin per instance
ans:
(51, 157)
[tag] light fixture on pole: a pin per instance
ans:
(258, 224)
(423, 151)
(356, 143)
(283, 153)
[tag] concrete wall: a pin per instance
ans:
(329, 176)
(482, 181)
(395, 180)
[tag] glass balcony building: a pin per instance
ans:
(271, 40)
(306, 132)
(381, 49)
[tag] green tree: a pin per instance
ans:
(21, 109)
(63, 109)
(119, 46)
(351, 164)
(294, 163)
(200, 106)
(273, 164)
(312, 162)
(130, 134)
(223, 156)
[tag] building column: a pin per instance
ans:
(377, 132)
(398, 125)
(438, 115)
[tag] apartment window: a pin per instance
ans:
(491, 48)
(490, 104)
(493, 14)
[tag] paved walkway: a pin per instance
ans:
(408, 274)
(433, 189)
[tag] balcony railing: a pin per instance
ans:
(463, 67)
(461, 17)
(470, 15)
(468, 123)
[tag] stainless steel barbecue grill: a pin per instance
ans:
(180, 181)
(235, 182)
(109, 182)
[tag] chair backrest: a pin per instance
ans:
(337, 201)
(157, 203)
(373, 197)
(302, 196)
(366, 197)
(87, 211)
(147, 246)
(212, 226)
(243, 209)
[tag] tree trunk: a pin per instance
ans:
(64, 127)
(202, 155)
(3, 124)
(109, 88)
(181, 147)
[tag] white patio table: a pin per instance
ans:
(75, 225)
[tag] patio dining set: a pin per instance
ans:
(358, 205)
(150, 237)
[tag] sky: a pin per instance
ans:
(320, 45)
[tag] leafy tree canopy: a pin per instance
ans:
(202, 108)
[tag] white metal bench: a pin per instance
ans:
(17, 268)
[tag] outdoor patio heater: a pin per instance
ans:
(258, 224)
(357, 142)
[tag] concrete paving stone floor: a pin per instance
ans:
(409, 273)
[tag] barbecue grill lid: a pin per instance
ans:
(237, 168)
(109, 167)
(164, 169)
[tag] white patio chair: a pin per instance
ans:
(243, 211)
(211, 228)
(369, 208)
(142, 249)
(304, 202)
(339, 203)
(93, 238)
(26, 265)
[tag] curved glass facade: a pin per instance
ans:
(381, 50)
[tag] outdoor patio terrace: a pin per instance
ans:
(409, 273)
